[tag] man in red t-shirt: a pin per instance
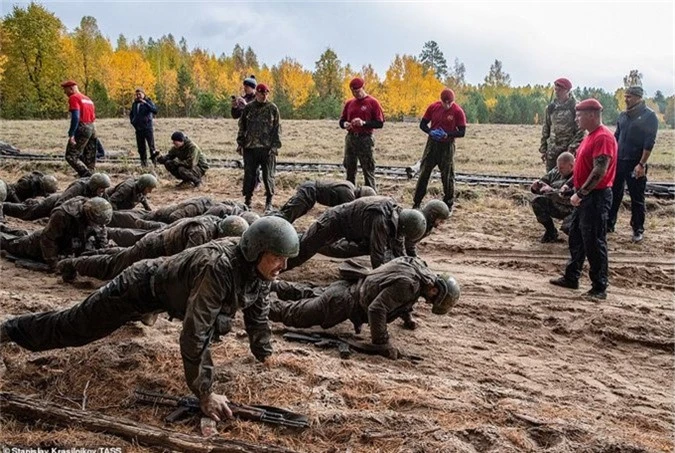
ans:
(448, 122)
(594, 171)
(360, 116)
(81, 148)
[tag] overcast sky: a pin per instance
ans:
(591, 43)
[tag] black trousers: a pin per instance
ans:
(588, 238)
(255, 158)
(636, 189)
(143, 136)
(439, 154)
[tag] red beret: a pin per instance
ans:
(262, 88)
(447, 95)
(589, 104)
(356, 83)
(564, 83)
(69, 83)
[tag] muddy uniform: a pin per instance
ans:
(43, 208)
(28, 186)
(327, 193)
(126, 237)
(226, 208)
(351, 249)
(135, 219)
(68, 232)
(371, 218)
(170, 240)
(560, 132)
(553, 206)
(197, 286)
(375, 297)
(126, 195)
(186, 163)
(191, 207)
(259, 136)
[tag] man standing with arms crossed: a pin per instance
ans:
(81, 148)
(360, 116)
(140, 117)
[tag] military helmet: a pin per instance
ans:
(98, 181)
(98, 211)
(412, 224)
(249, 216)
(270, 234)
(365, 191)
(145, 181)
(3, 191)
(49, 184)
(232, 225)
(434, 210)
(448, 294)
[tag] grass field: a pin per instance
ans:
(487, 148)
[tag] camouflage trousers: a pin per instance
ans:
(27, 247)
(325, 230)
(439, 154)
(359, 149)
(82, 155)
(126, 237)
(345, 248)
(134, 219)
(546, 209)
(32, 210)
(193, 175)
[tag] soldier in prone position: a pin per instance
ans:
(34, 184)
(130, 192)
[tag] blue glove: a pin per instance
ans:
(437, 134)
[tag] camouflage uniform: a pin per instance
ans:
(375, 297)
(82, 155)
(126, 237)
(186, 163)
(359, 149)
(126, 195)
(68, 232)
(43, 208)
(439, 154)
(553, 206)
(28, 186)
(560, 132)
(198, 286)
(327, 193)
(371, 218)
(226, 208)
(170, 240)
(191, 207)
(259, 137)
(134, 219)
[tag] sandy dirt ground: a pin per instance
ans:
(518, 365)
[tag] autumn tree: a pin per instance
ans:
(185, 89)
(497, 77)
(633, 78)
(122, 43)
(408, 87)
(90, 46)
(432, 58)
(239, 58)
(293, 86)
(126, 70)
(457, 76)
(251, 59)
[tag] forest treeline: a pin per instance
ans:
(37, 52)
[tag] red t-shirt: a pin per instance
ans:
(366, 109)
(79, 101)
(599, 142)
(448, 120)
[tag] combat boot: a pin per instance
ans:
(595, 294)
(268, 205)
(564, 282)
(247, 202)
(67, 270)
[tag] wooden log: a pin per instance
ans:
(30, 409)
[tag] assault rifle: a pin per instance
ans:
(187, 406)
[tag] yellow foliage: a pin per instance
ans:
(126, 70)
(408, 88)
(296, 82)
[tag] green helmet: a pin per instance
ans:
(145, 181)
(49, 184)
(232, 225)
(249, 216)
(434, 210)
(98, 181)
(364, 191)
(98, 211)
(269, 234)
(412, 224)
(3, 191)
(448, 294)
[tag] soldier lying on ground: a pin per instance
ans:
(376, 297)
(327, 193)
(3, 227)
(31, 185)
(197, 285)
(130, 192)
(92, 186)
(379, 220)
(553, 191)
(172, 239)
(185, 160)
(74, 227)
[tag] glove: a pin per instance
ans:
(437, 134)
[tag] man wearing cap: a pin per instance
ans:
(443, 121)
(560, 132)
(140, 116)
(259, 141)
(360, 116)
(81, 148)
(185, 160)
(636, 133)
(594, 171)
(239, 102)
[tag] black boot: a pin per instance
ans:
(268, 205)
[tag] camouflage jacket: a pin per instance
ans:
(183, 234)
(28, 186)
(334, 193)
(556, 180)
(189, 155)
(225, 208)
(78, 188)
(560, 130)
(200, 284)
(126, 195)
(259, 126)
(191, 207)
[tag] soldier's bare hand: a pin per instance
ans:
(545, 188)
(639, 171)
(215, 406)
(72, 141)
(575, 200)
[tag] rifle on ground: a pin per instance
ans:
(189, 406)
(326, 340)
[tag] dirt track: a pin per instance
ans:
(519, 365)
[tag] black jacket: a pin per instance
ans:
(141, 114)
(635, 132)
